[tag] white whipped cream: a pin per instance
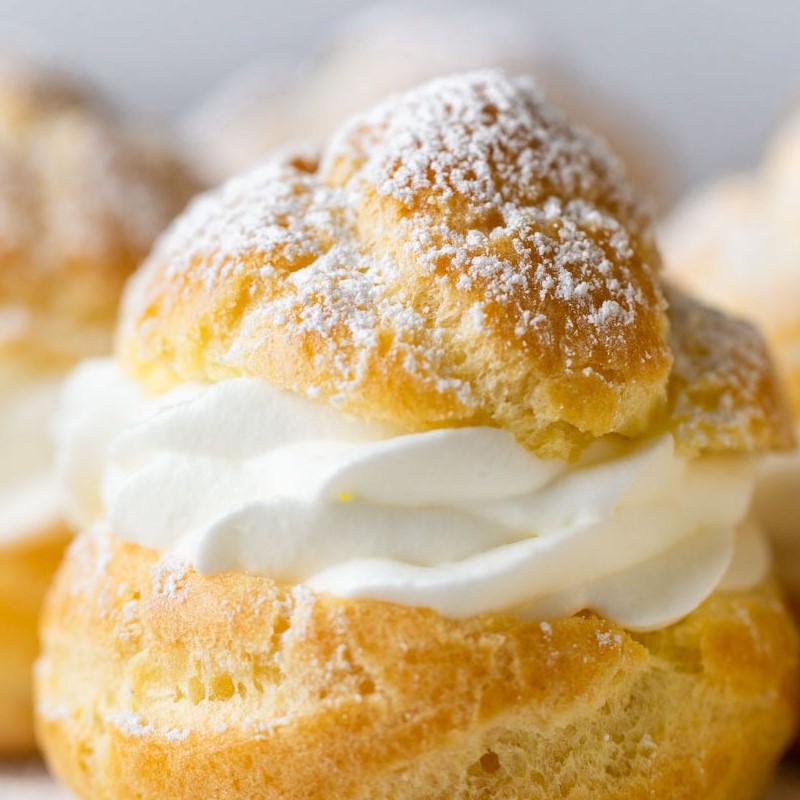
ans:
(28, 498)
(239, 475)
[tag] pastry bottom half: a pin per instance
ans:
(26, 569)
(157, 682)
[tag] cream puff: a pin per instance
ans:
(81, 199)
(411, 479)
(737, 243)
(392, 46)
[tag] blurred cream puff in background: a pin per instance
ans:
(82, 197)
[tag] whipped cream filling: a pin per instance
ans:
(28, 497)
(776, 506)
(241, 476)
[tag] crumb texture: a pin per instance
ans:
(724, 393)
(158, 682)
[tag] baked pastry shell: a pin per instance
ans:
(26, 569)
(156, 681)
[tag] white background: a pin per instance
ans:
(713, 77)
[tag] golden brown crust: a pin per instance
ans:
(82, 198)
(461, 255)
(158, 682)
(724, 392)
(26, 569)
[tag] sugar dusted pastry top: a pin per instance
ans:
(82, 197)
(724, 395)
(459, 255)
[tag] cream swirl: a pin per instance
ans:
(242, 476)
(28, 402)
(777, 508)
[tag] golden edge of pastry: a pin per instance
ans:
(26, 570)
(83, 195)
(724, 392)
(460, 255)
(159, 682)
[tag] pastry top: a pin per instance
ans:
(82, 197)
(724, 395)
(737, 243)
(459, 255)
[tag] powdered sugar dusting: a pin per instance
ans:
(724, 394)
(485, 137)
(92, 551)
(520, 202)
(170, 576)
(468, 195)
(303, 601)
(608, 639)
(134, 725)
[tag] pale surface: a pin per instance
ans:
(29, 782)
(684, 67)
